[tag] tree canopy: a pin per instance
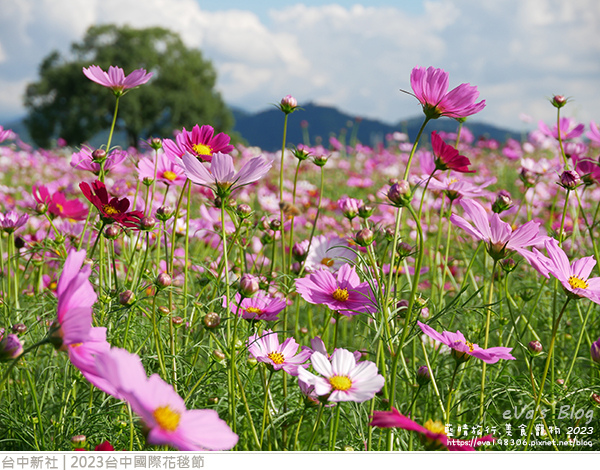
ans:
(64, 103)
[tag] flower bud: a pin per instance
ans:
(595, 398)
(10, 348)
(508, 265)
(569, 180)
(155, 143)
(402, 308)
(244, 211)
(99, 155)
(126, 297)
(147, 181)
(558, 101)
(19, 328)
(163, 280)
(300, 154)
(404, 250)
(503, 201)
(595, 351)
(364, 237)
(164, 213)
(535, 347)
(218, 355)
(211, 320)
(400, 194)
(527, 177)
(78, 441)
(300, 250)
(112, 232)
(423, 375)
(147, 222)
(320, 160)
(288, 104)
(177, 321)
(275, 225)
(41, 208)
(248, 285)
(365, 211)
(163, 310)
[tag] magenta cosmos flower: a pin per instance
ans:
(84, 160)
(432, 434)
(462, 349)
(569, 129)
(342, 292)
(574, 276)
(447, 157)
(161, 409)
(200, 142)
(259, 307)
(76, 297)
(167, 171)
(430, 87)
(115, 79)
(499, 236)
(58, 205)
(266, 348)
(111, 209)
(222, 177)
(342, 378)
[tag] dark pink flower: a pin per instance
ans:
(447, 157)
(430, 87)
(58, 204)
(463, 348)
(115, 79)
(200, 142)
(432, 435)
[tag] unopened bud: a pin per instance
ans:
(400, 194)
(163, 280)
(503, 202)
(423, 375)
(248, 285)
(300, 154)
(126, 297)
(527, 177)
(558, 101)
(164, 310)
(164, 213)
(177, 321)
(147, 223)
(211, 320)
(112, 232)
(595, 351)
(569, 180)
(244, 211)
(364, 237)
(288, 104)
(535, 347)
(10, 348)
(365, 211)
(41, 208)
(320, 160)
(99, 155)
(19, 328)
(218, 355)
(155, 143)
(275, 225)
(79, 440)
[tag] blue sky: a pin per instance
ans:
(355, 55)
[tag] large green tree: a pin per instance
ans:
(64, 103)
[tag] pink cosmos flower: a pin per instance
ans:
(342, 292)
(462, 349)
(76, 297)
(574, 276)
(200, 142)
(6, 134)
(456, 189)
(349, 206)
(83, 356)
(222, 177)
(432, 435)
(261, 306)
(430, 87)
(568, 129)
(328, 253)
(83, 160)
(593, 134)
(499, 236)
(266, 348)
(167, 171)
(447, 157)
(342, 378)
(161, 409)
(115, 79)
(11, 221)
(58, 205)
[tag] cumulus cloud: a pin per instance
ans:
(518, 52)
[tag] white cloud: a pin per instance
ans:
(518, 52)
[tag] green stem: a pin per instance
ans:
(486, 340)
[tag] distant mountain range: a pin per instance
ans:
(264, 129)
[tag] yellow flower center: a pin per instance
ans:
(110, 210)
(435, 426)
(452, 181)
(75, 345)
(276, 357)
(60, 208)
(340, 382)
(258, 311)
(167, 418)
(53, 285)
(169, 175)
(327, 262)
(202, 149)
(341, 295)
(577, 283)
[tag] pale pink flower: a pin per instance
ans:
(115, 79)
(266, 348)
